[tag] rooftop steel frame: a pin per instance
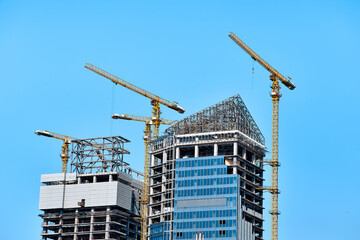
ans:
(103, 154)
(230, 114)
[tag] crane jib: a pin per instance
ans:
(262, 62)
(134, 88)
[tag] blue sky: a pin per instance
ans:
(180, 50)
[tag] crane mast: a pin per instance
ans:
(275, 77)
(151, 130)
(147, 138)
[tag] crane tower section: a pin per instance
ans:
(151, 130)
(275, 77)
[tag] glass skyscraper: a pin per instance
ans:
(205, 177)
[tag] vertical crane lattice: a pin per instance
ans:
(147, 137)
(274, 163)
(155, 123)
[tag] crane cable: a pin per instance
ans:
(112, 108)
(252, 77)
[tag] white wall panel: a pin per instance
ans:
(124, 197)
(95, 194)
(56, 177)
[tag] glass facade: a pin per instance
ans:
(206, 199)
(160, 231)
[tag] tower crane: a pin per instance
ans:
(141, 119)
(147, 137)
(155, 100)
(154, 132)
(65, 147)
(274, 162)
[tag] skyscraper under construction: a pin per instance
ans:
(97, 199)
(206, 176)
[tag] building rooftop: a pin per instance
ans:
(229, 114)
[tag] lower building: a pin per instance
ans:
(98, 199)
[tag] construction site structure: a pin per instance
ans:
(95, 148)
(151, 130)
(206, 174)
(275, 77)
(97, 199)
(147, 139)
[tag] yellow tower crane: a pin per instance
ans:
(65, 147)
(154, 132)
(141, 119)
(147, 137)
(155, 100)
(274, 162)
(148, 122)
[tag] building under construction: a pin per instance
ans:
(97, 199)
(202, 180)
(206, 174)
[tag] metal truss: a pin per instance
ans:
(95, 155)
(230, 114)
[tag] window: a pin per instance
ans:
(179, 234)
(222, 232)
(222, 222)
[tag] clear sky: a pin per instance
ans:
(180, 50)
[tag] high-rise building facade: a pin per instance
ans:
(206, 199)
(206, 175)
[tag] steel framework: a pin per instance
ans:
(230, 114)
(85, 157)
